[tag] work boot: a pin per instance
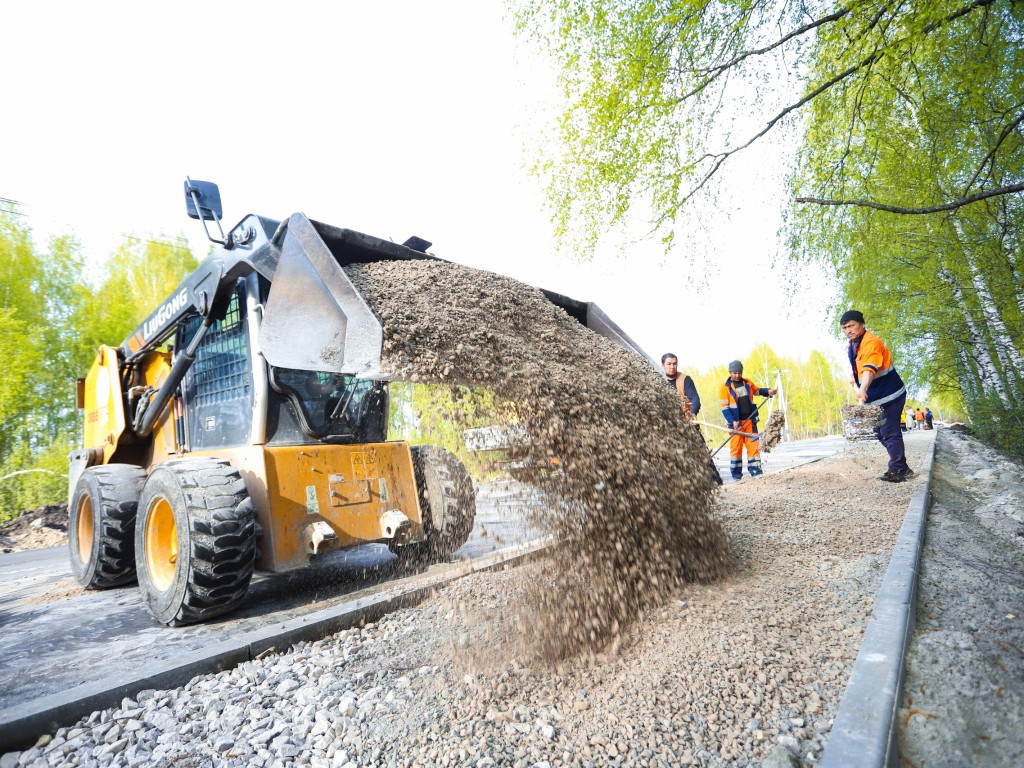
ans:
(893, 477)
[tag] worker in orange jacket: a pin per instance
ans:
(879, 383)
(736, 396)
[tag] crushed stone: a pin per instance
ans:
(743, 672)
(772, 434)
(631, 503)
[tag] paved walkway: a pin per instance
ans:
(785, 455)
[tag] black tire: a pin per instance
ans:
(101, 525)
(195, 540)
(447, 502)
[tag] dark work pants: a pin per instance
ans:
(891, 436)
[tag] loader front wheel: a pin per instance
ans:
(195, 540)
(101, 525)
(447, 502)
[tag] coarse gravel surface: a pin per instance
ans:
(745, 671)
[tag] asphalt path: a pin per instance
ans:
(57, 637)
(785, 455)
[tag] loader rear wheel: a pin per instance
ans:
(195, 540)
(101, 525)
(447, 502)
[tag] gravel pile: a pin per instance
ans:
(748, 671)
(606, 416)
(42, 527)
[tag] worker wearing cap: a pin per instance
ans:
(736, 396)
(878, 383)
(682, 383)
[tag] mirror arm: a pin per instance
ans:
(227, 241)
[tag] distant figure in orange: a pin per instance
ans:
(736, 396)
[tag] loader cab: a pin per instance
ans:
(232, 397)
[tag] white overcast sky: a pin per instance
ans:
(392, 118)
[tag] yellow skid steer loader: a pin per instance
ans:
(244, 424)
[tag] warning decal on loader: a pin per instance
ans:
(364, 465)
(312, 506)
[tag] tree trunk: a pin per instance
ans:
(978, 351)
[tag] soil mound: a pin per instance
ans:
(35, 528)
(631, 501)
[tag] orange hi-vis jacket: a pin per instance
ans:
(687, 393)
(869, 353)
(727, 396)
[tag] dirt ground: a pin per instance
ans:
(36, 529)
(963, 698)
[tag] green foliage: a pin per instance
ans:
(814, 390)
(658, 95)
(31, 479)
(39, 295)
(994, 424)
(51, 322)
(433, 414)
(942, 289)
(137, 277)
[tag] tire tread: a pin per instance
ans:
(222, 534)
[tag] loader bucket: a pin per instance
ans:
(316, 320)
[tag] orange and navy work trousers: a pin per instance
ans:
(736, 446)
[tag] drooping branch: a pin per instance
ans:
(903, 210)
(990, 157)
(721, 157)
(718, 70)
(969, 8)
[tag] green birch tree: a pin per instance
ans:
(51, 322)
(908, 177)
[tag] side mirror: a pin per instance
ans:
(202, 200)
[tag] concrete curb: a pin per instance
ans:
(21, 726)
(865, 731)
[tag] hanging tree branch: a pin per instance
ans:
(1006, 190)
(721, 157)
(990, 157)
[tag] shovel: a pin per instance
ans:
(746, 434)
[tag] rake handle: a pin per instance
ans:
(727, 429)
